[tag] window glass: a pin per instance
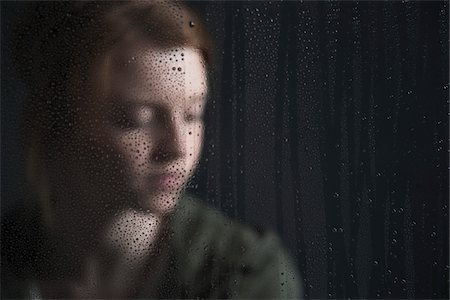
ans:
(224, 149)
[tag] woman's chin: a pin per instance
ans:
(160, 203)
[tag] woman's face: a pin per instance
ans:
(148, 110)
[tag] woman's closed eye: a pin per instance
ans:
(145, 116)
(134, 118)
(193, 117)
(194, 114)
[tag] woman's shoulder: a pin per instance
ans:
(238, 259)
(196, 223)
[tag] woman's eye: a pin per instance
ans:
(194, 114)
(190, 117)
(145, 116)
(133, 119)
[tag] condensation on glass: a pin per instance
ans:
(220, 149)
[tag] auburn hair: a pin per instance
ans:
(61, 40)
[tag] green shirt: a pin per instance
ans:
(211, 256)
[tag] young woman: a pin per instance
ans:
(114, 130)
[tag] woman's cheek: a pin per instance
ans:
(134, 146)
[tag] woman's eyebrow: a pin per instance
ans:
(133, 103)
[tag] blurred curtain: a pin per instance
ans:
(329, 123)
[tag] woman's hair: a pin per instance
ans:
(62, 40)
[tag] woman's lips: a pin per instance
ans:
(166, 181)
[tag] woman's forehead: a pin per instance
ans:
(148, 74)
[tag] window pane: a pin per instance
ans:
(216, 149)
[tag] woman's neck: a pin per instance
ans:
(132, 235)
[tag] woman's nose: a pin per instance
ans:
(170, 145)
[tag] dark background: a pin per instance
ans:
(328, 122)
